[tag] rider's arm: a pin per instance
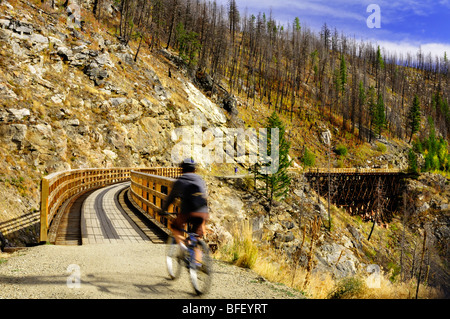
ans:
(174, 193)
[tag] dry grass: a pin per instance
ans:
(400, 290)
(241, 251)
(268, 263)
(273, 268)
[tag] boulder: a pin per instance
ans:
(116, 101)
(229, 104)
(73, 122)
(15, 133)
(96, 73)
(57, 99)
(423, 208)
(19, 114)
(6, 92)
(23, 30)
(44, 130)
(337, 260)
(39, 39)
(284, 236)
(204, 80)
(65, 53)
(4, 23)
(104, 59)
(110, 154)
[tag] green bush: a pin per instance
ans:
(412, 162)
(308, 159)
(341, 150)
(347, 288)
(417, 147)
(381, 147)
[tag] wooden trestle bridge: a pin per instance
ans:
(88, 206)
(360, 191)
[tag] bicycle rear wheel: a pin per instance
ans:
(201, 274)
(174, 258)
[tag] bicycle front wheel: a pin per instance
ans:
(200, 271)
(174, 256)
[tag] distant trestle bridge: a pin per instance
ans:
(361, 191)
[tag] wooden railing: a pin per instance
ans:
(58, 188)
(353, 171)
(148, 191)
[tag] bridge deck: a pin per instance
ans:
(105, 221)
(104, 216)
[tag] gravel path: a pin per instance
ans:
(119, 271)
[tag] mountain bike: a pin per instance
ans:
(200, 271)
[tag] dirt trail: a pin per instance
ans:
(129, 271)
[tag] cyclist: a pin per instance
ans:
(191, 189)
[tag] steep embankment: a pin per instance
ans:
(74, 98)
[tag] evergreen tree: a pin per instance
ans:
(188, 44)
(277, 183)
(372, 108)
(412, 162)
(414, 117)
(343, 74)
(379, 118)
(379, 65)
(361, 102)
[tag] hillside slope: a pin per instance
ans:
(75, 98)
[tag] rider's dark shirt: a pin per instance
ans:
(182, 188)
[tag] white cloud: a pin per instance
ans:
(436, 49)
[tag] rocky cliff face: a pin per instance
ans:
(75, 98)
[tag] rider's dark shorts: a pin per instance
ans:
(196, 219)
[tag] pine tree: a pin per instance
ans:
(342, 83)
(361, 102)
(277, 183)
(412, 162)
(372, 109)
(379, 117)
(343, 74)
(379, 64)
(414, 117)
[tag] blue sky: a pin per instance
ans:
(406, 25)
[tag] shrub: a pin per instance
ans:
(241, 251)
(381, 147)
(347, 288)
(308, 159)
(341, 150)
(417, 147)
(412, 162)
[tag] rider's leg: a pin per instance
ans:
(178, 224)
(178, 235)
(198, 254)
(199, 229)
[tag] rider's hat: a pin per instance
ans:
(188, 164)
